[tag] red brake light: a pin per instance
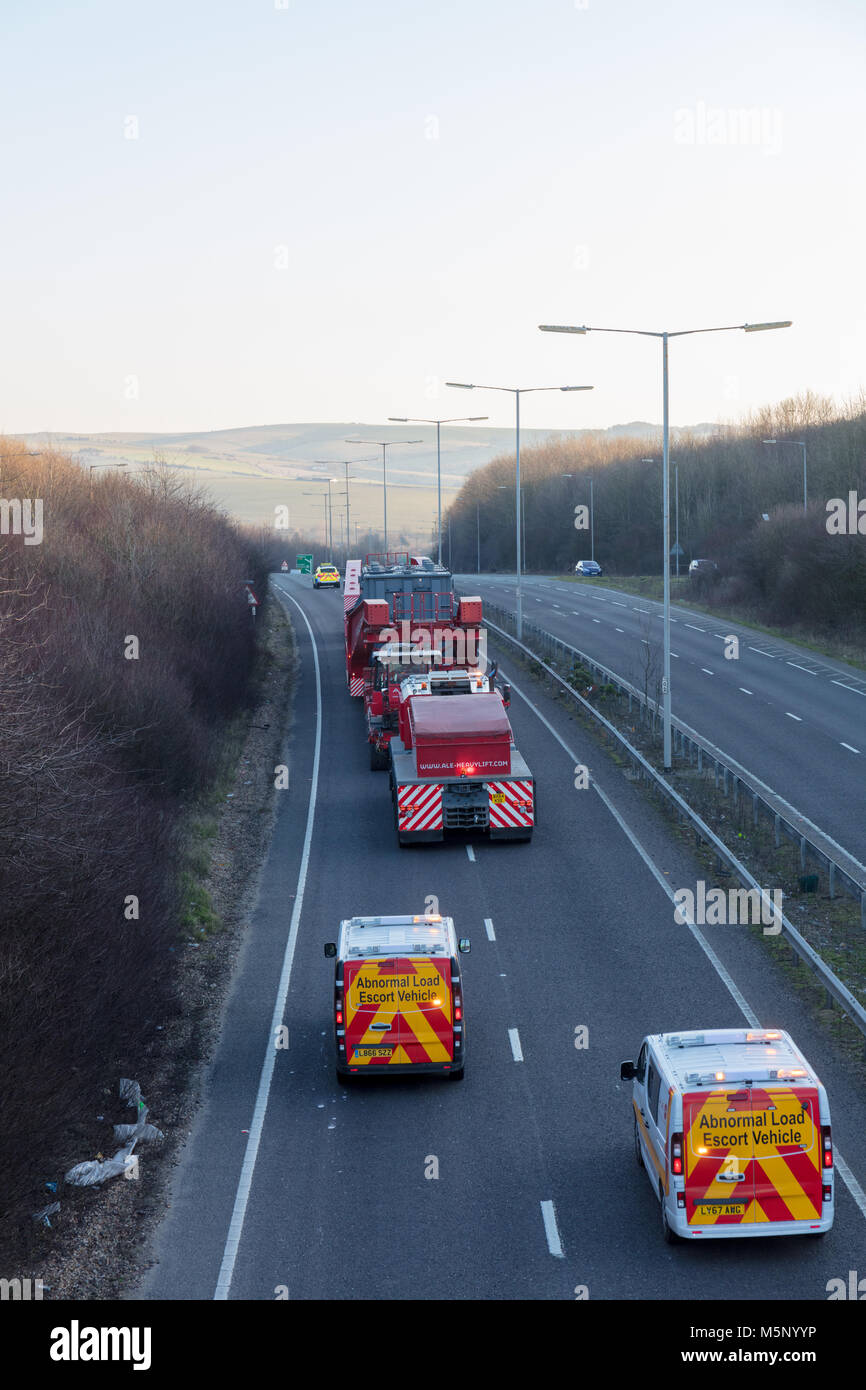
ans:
(676, 1153)
(826, 1147)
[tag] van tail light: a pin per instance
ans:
(681, 1200)
(826, 1147)
(676, 1153)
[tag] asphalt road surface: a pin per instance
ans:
(292, 1182)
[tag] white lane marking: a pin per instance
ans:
(793, 716)
(742, 1003)
(745, 691)
(488, 927)
(645, 642)
(673, 620)
(801, 668)
(760, 653)
(640, 610)
(575, 612)
(618, 605)
(516, 1049)
(720, 634)
(707, 672)
(852, 688)
(556, 605)
(851, 748)
(695, 629)
(471, 853)
(596, 620)
(236, 1225)
(551, 1230)
(620, 629)
(676, 654)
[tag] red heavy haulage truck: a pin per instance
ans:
(433, 717)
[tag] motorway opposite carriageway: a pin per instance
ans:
(520, 1183)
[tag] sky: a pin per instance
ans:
(243, 212)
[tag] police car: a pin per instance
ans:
(326, 577)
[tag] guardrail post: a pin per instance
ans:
(832, 879)
(802, 851)
(777, 829)
(700, 758)
(724, 781)
(755, 807)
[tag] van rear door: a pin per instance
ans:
(427, 1012)
(720, 1179)
(399, 1011)
(752, 1155)
(786, 1133)
(370, 994)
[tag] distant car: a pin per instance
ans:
(588, 567)
(326, 577)
(703, 567)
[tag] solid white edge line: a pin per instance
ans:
(245, 1180)
(470, 853)
(707, 671)
(745, 1008)
(851, 748)
(488, 927)
(793, 716)
(745, 691)
(516, 1049)
(551, 1230)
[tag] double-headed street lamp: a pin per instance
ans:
(385, 444)
(682, 333)
(459, 420)
(800, 444)
(516, 392)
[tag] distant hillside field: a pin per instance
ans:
(251, 470)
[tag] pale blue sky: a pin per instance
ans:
(331, 209)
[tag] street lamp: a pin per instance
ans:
(91, 466)
(326, 498)
(456, 420)
(385, 444)
(665, 337)
(516, 392)
(344, 463)
(801, 445)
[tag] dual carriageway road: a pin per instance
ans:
(291, 1182)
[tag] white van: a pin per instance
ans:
(732, 1127)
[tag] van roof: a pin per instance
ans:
(732, 1054)
(422, 935)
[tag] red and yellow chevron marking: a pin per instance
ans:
(510, 804)
(756, 1154)
(419, 807)
(412, 996)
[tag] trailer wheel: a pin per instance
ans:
(379, 762)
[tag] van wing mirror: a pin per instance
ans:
(464, 945)
(330, 949)
(627, 1071)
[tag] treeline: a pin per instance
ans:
(125, 645)
(789, 566)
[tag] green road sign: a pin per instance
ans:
(305, 564)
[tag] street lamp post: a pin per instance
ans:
(665, 338)
(457, 420)
(384, 444)
(344, 463)
(91, 466)
(516, 392)
(801, 445)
